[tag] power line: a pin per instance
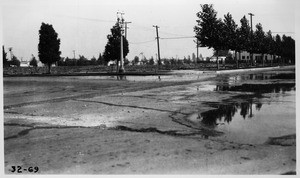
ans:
(142, 42)
(88, 19)
(168, 33)
(178, 37)
(283, 32)
(142, 27)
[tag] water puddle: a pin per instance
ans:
(268, 111)
(235, 83)
(258, 88)
(251, 122)
(238, 78)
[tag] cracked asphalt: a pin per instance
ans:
(69, 125)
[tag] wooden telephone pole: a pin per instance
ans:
(121, 70)
(251, 40)
(157, 38)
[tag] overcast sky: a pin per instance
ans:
(83, 25)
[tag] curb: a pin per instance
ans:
(248, 70)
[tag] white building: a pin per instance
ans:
(220, 58)
(246, 56)
(24, 63)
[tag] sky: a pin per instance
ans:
(83, 25)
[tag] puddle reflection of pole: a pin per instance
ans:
(251, 113)
(121, 77)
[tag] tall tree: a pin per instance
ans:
(270, 44)
(259, 41)
(288, 48)
(48, 45)
(113, 47)
(230, 31)
(278, 48)
(243, 36)
(209, 30)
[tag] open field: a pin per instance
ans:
(185, 123)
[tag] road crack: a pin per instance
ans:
(155, 130)
(26, 131)
(129, 106)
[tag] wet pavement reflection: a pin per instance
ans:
(258, 88)
(248, 116)
(233, 79)
(225, 113)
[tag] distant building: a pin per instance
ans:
(214, 58)
(24, 63)
(111, 63)
(246, 56)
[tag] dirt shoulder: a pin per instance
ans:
(107, 151)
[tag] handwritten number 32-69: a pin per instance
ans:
(19, 169)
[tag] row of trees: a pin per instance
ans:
(81, 61)
(210, 32)
(213, 32)
(171, 61)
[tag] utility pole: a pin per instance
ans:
(157, 37)
(126, 29)
(74, 53)
(197, 52)
(251, 41)
(121, 70)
